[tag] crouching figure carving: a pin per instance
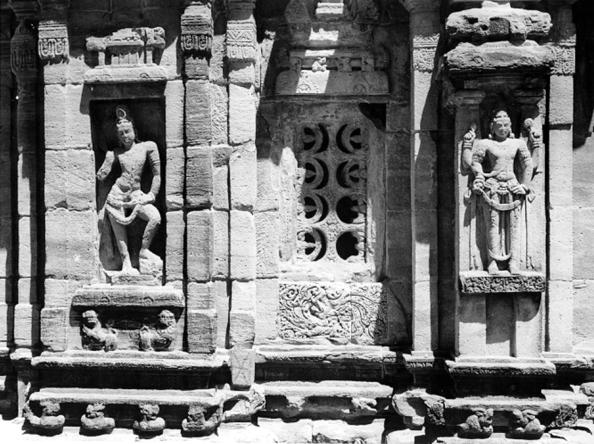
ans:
(50, 422)
(94, 335)
(94, 421)
(503, 170)
(149, 423)
(162, 337)
(196, 423)
(477, 425)
(525, 425)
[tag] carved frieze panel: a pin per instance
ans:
(127, 55)
(335, 312)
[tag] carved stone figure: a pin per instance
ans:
(94, 421)
(196, 423)
(502, 168)
(126, 201)
(160, 338)
(526, 425)
(150, 423)
(50, 422)
(477, 425)
(96, 337)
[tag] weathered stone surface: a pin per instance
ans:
(174, 117)
(331, 82)
(199, 179)
(242, 114)
(175, 178)
(199, 245)
(202, 331)
(53, 328)
(242, 171)
(176, 227)
(267, 244)
(483, 283)
(241, 328)
(493, 56)
(70, 253)
(71, 181)
(198, 113)
(128, 296)
(243, 367)
(267, 294)
(497, 23)
(242, 245)
(219, 113)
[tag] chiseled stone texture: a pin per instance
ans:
(199, 185)
(199, 248)
(70, 179)
(70, 243)
(243, 245)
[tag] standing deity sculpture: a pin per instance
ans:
(126, 201)
(503, 168)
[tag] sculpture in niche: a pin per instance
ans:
(94, 421)
(126, 201)
(161, 338)
(150, 423)
(94, 335)
(502, 168)
(50, 422)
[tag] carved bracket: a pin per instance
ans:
(53, 41)
(196, 31)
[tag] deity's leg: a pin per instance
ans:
(491, 217)
(514, 239)
(122, 240)
(153, 219)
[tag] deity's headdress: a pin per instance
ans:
(123, 115)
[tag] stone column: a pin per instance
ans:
(24, 65)
(196, 46)
(7, 255)
(560, 180)
(471, 337)
(425, 30)
(242, 54)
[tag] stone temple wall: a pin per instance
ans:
(297, 220)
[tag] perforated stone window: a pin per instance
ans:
(333, 215)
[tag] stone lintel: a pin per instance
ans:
(499, 57)
(500, 367)
(328, 82)
(481, 282)
(126, 74)
(128, 296)
(131, 360)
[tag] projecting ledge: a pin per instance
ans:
(481, 282)
(128, 296)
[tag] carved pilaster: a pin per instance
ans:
(564, 36)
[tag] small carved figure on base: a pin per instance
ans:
(126, 201)
(150, 423)
(525, 425)
(94, 421)
(160, 338)
(50, 422)
(96, 337)
(196, 423)
(477, 425)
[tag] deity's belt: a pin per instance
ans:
(500, 206)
